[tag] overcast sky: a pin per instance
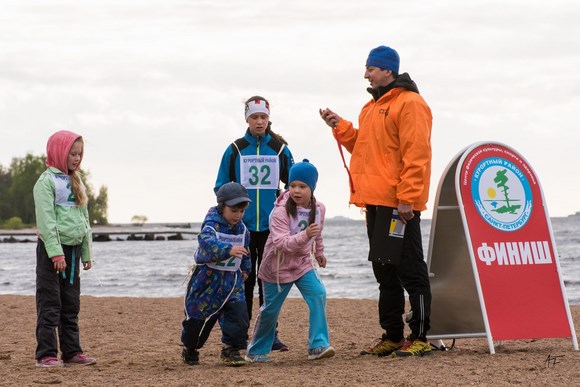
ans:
(156, 88)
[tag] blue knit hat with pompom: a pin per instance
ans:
(304, 172)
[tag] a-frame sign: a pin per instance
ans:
(492, 257)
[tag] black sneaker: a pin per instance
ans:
(232, 357)
(190, 356)
(279, 346)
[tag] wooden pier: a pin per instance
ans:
(112, 233)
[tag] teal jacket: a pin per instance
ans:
(58, 219)
(256, 217)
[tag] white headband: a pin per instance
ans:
(257, 106)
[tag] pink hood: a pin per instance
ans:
(57, 149)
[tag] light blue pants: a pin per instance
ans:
(313, 292)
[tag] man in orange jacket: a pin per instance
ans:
(390, 169)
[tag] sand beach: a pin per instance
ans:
(136, 343)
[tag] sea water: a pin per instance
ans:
(160, 268)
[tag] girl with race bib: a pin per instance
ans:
(216, 287)
(293, 247)
(259, 161)
(64, 243)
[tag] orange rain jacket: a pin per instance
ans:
(391, 150)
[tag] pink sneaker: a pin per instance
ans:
(80, 359)
(48, 362)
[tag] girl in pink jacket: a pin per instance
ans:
(295, 237)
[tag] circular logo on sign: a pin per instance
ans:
(501, 193)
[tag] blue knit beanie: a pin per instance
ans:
(304, 172)
(384, 58)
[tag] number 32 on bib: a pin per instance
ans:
(259, 172)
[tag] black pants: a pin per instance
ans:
(257, 242)
(410, 275)
(234, 327)
(57, 304)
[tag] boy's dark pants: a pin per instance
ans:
(234, 327)
(57, 304)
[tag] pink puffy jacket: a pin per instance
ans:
(287, 256)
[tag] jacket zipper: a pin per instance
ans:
(258, 193)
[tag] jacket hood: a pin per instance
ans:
(214, 217)
(57, 149)
(403, 80)
(282, 199)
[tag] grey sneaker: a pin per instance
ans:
(320, 353)
(257, 358)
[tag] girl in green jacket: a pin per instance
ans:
(64, 241)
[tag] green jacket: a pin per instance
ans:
(58, 219)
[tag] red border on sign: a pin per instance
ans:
(517, 268)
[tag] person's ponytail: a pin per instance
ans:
(312, 215)
(78, 189)
(275, 135)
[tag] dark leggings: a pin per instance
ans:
(257, 242)
(57, 304)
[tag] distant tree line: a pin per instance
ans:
(17, 182)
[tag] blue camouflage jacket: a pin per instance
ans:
(211, 249)
(209, 288)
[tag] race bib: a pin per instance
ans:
(232, 263)
(63, 191)
(300, 223)
(259, 172)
